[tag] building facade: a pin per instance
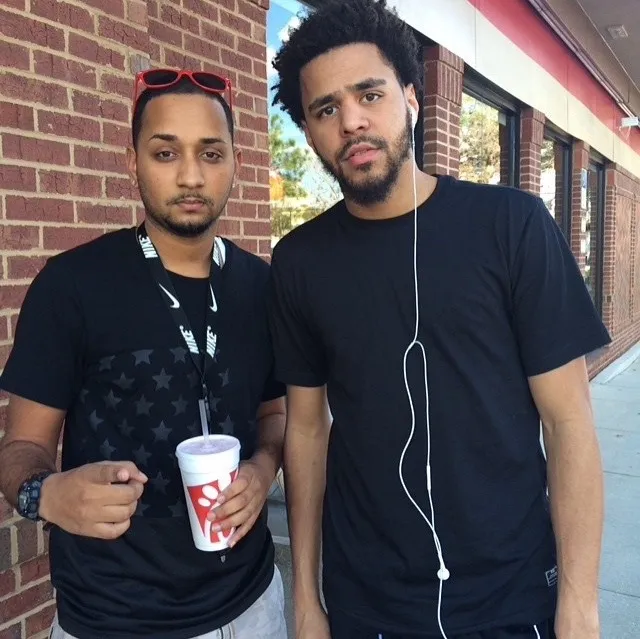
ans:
(66, 71)
(560, 135)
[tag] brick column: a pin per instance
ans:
(578, 236)
(442, 107)
(615, 307)
(531, 140)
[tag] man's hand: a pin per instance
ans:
(312, 624)
(95, 500)
(576, 621)
(241, 503)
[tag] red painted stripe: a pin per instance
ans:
(528, 31)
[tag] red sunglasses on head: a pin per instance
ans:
(163, 78)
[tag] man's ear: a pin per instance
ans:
(410, 95)
(237, 153)
(132, 165)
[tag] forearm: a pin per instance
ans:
(305, 458)
(19, 460)
(270, 443)
(576, 493)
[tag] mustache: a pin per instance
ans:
(191, 197)
(378, 143)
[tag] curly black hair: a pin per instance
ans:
(338, 23)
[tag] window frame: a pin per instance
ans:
(597, 164)
(557, 136)
(479, 88)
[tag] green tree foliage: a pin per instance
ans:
(288, 160)
(291, 203)
(480, 142)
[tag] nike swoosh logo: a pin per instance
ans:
(214, 304)
(175, 303)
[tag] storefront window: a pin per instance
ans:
(555, 180)
(487, 140)
(592, 229)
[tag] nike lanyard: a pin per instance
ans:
(202, 361)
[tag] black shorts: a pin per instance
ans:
(343, 627)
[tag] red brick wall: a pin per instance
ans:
(441, 108)
(621, 264)
(531, 139)
(66, 73)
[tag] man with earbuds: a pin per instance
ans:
(444, 320)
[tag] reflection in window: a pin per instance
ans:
(555, 181)
(485, 143)
(591, 227)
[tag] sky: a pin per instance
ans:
(281, 16)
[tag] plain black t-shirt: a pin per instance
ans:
(96, 339)
(501, 299)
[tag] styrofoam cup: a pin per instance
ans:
(207, 469)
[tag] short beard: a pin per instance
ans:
(183, 229)
(374, 190)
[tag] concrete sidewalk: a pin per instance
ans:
(616, 401)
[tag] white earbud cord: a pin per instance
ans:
(443, 573)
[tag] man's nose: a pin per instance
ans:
(190, 174)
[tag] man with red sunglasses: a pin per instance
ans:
(124, 340)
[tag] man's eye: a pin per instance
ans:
(212, 155)
(164, 155)
(327, 112)
(371, 97)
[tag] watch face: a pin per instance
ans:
(22, 501)
(29, 498)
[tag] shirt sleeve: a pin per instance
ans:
(299, 358)
(273, 389)
(554, 315)
(45, 363)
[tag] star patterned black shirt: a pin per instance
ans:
(95, 338)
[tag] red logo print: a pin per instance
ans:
(203, 498)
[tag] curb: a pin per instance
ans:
(618, 366)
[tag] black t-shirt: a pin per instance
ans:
(95, 337)
(501, 299)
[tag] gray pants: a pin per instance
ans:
(263, 620)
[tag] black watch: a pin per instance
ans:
(28, 502)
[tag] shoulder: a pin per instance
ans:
(312, 235)
(494, 197)
(499, 210)
(68, 269)
(244, 265)
(99, 252)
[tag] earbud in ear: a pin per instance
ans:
(414, 117)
